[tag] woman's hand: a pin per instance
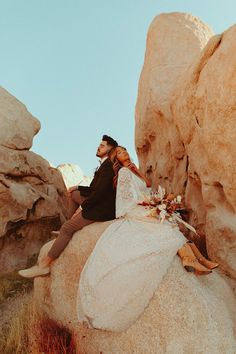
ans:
(135, 169)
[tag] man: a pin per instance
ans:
(86, 205)
(97, 200)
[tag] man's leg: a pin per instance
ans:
(75, 200)
(66, 232)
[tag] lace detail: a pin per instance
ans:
(126, 194)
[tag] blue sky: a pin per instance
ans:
(76, 65)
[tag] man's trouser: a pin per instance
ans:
(74, 224)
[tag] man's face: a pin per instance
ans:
(103, 149)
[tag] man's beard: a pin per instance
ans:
(101, 156)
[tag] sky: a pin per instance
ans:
(76, 66)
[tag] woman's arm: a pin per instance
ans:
(148, 182)
(135, 169)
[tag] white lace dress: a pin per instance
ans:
(128, 261)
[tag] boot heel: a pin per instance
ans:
(201, 259)
(190, 262)
(189, 269)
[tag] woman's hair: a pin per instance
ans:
(116, 164)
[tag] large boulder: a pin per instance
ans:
(185, 125)
(32, 193)
(187, 314)
(18, 126)
(204, 111)
(174, 40)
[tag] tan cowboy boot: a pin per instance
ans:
(201, 258)
(190, 262)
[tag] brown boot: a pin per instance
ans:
(190, 262)
(201, 259)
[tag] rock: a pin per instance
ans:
(73, 257)
(174, 40)
(33, 200)
(204, 111)
(185, 125)
(17, 125)
(73, 175)
(32, 204)
(204, 306)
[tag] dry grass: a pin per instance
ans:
(14, 337)
(23, 329)
(12, 284)
(30, 333)
(52, 339)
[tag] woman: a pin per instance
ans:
(120, 158)
(131, 257)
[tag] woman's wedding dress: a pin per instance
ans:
(128, 262)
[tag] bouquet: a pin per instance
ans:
(165, 206)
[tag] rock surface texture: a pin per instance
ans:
(204, 306)
(32, 193)
(185, 125)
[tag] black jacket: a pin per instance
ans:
(101, 195)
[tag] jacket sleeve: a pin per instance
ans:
(85, 190)
(104, 183)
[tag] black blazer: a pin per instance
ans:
(101, 195)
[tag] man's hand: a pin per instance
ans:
(72, 189)
(78, 211)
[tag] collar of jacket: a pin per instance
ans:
(103, 159)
